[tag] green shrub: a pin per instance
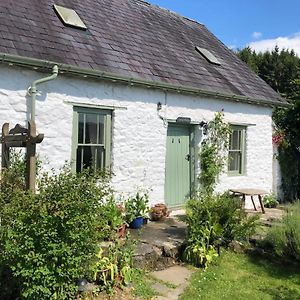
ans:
(48, 240)
(270, 201)
(201, 250)
(113, 266)
(285, 238)
(213, 220)
(111, 217)
(14, 177)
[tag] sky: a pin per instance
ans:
(260, 24)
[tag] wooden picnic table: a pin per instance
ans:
(251, 193)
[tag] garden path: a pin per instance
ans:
(170, 283)
(271, 215)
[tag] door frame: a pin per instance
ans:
(192, 171)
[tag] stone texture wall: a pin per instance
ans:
(277, 177)
(138, 131)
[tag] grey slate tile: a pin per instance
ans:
(127, 37)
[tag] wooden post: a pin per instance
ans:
(22, 137)
(4, 148)
(31, 158)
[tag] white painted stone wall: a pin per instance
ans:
(139, 134)
(277, 177)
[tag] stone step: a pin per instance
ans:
(160, 244)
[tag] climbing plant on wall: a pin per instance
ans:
(213, 152)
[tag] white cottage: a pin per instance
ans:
(134, 86)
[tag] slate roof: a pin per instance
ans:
(130, 38)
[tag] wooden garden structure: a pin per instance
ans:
(22, 137)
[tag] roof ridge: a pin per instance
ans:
(170, 11)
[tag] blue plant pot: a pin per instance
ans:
(137, 223)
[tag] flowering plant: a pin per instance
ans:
(277, 138)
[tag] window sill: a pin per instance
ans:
(236, 174)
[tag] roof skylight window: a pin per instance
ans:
(208, 56)
(69, 17)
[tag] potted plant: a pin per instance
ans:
(113, 222)
(122, 227)
(270, 201)
(136, 208)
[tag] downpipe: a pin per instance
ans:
(32, 91)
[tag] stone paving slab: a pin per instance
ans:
(272, 215)
(175, 275)
(178, 276)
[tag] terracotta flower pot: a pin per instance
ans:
(122, 231)
(158, 212)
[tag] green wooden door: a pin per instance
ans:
(177, 180)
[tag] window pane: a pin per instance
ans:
(235, 161)
(99, 158)
(101, 120)
(91, 129)
(79, 159)
(235, 141)
(80, 128)
(94, 129)
(89, 157)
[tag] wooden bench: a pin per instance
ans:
(251, 192)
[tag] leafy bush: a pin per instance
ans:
(111, 217)
(200, 251)
(48, 240)
(14, 177)
(270, 201)
(212, 220)
(113, 265)
(285, 238)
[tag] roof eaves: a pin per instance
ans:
(38, 64)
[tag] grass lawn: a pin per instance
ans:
(242, 276)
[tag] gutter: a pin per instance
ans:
(32, 91)
(96, 74)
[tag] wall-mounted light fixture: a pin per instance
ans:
(159, 106)
(183, 120)
(204, 126)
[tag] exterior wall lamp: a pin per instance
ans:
(204, 126)
(159, 106)
(183, 120)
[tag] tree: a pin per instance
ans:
(281, 70)
(250, 58)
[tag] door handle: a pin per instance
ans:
(188, 157)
